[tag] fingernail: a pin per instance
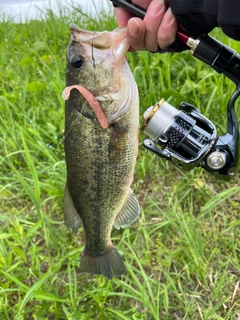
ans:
(169, 17)
(156, 7)
(133, 28)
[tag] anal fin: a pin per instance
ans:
(129, 212)
(71, 216)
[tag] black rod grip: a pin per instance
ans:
(219, 56)
(129, 6)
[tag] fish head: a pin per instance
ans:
(93, 56)
(96, 60)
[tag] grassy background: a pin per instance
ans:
(182, 256)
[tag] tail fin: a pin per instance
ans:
(109, 264)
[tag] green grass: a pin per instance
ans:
(182, 256)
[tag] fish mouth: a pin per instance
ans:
(74, 27)
(104, 43)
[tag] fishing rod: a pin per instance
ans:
(183, 135)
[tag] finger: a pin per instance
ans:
(142, 3)
(152, 20)
(122, 16)
(167, 30)
(136, 33)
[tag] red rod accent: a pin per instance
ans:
(182, 36)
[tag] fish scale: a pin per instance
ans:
(101, 141)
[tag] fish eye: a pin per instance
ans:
(76, 62)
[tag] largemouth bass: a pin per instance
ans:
(101, 143)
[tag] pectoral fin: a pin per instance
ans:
(71, 216)
(129, 212)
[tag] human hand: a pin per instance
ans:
(157, 29)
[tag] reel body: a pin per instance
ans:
(189, 139)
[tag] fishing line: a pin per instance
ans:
(65, 135)
(93, 59)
